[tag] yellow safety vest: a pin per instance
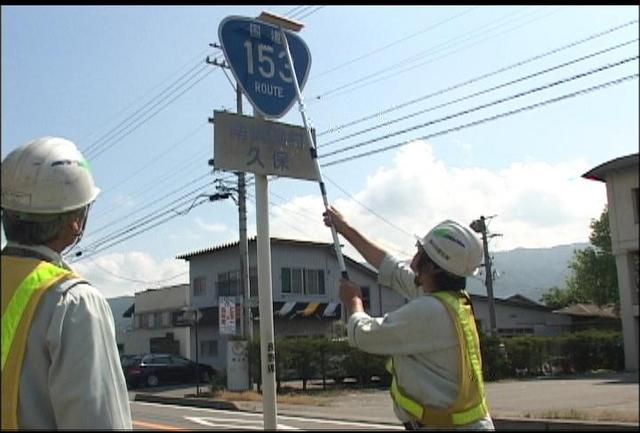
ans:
(470, 405)
(24, 281)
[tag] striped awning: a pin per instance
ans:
(293, 309)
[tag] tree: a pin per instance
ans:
(593, 277)
(557, 298)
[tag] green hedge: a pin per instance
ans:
(578, 352)
(306, 358)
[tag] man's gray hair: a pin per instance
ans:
(36, 229)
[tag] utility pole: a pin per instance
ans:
(246, 326)
(480, 226)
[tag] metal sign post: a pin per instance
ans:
(265, 299)
(269, 79)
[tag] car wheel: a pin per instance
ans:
(152, 380)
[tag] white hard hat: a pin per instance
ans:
(46, 175)
(453, 247)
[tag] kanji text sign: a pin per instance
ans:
(227, 315)
(257, 57)
(244, 143)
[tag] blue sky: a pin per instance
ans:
(91, 74)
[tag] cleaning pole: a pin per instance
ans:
(314, 154)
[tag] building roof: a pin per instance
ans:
(514, 300)
(590, 310)
(362, 266)
(600, 172)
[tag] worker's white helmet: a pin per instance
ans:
(453, 247)
(47, 175)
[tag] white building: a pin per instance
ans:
(156, 314)
(621, 178)
(304, 280)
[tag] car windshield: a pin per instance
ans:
(130, 360)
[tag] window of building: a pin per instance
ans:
(292, 280)
(228, 283)
(209, 348)
(199, 286)
(300, 281)
(143, 320)
(314, 281)
(157, 320)
(297, 284)
(166, 319)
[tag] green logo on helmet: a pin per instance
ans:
(444, 233)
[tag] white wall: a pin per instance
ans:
(624, 227)
(168, 298)
(623, 222)
(137, 341)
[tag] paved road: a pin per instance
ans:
(611, 395)
(155, 416)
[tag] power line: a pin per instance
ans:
(147, 218)
(487, 119)
(133, 280)
(146, 205)
(310, 13)
(292, 12)
(417, 57)
(481, 77)
(377, 50)
(300, 10)
(143, 121)
(374, 213)
(483, 106)
(162, 153)
(124, 122)
(499, 86)
(96, 249)
(190, 61)
(174, 171)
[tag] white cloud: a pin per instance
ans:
(123, 201)
(120, 274)
(215, 227)
(537, 204)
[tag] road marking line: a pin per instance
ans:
(218, 422)
(289, 417)
(155, 426)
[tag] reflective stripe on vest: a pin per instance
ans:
(24, 281)
(470, 359)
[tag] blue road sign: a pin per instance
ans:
(258, 59)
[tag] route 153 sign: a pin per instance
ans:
(258, 59)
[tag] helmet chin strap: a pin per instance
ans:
(79, 233)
